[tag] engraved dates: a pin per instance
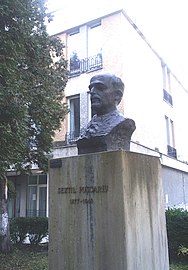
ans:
(82, 191)
(81, 201)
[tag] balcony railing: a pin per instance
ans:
(71, 137)
(167, 97)
(78, 67)
(171, 151)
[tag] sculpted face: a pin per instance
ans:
(102, 94)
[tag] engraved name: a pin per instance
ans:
(66, 190)
(83, 189)
(93, 189)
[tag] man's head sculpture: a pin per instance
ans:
(108, 129)
(106, 92)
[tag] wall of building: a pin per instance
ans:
(127, 53)
(144, 91)
(180, 112)
(175, 185)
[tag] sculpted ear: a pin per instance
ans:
(118, 96)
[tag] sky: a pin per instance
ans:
(163, 22)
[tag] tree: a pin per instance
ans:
(74, 63)
(33, 75)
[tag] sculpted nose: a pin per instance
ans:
(92, 90)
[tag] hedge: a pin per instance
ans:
(36, 228)
(177, 233)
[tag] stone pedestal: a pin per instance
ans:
(107, 213)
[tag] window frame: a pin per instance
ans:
(170, 137)
(167, 91)
(37, 185)
(73, 134)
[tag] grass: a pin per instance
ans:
(179, 266)
(27, 258)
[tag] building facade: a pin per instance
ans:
(154, 98)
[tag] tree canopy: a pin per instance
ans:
(33, 75)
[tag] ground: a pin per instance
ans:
(25, 257)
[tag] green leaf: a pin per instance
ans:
(31, 84)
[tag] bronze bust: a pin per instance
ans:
(108, 129)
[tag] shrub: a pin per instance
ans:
(34, 227)
(177, 232)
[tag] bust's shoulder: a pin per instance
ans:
(105, 124)
(128, 123)
(124, 128)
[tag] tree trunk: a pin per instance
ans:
(5, 243)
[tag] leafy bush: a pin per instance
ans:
(178, 266)
(34, 227)
(177, 232)
(24, 258)
(18, 230)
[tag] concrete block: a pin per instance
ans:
(107, 213)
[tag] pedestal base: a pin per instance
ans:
(107, 213)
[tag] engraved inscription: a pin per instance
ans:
(83, 201)
(93, 189)
(80, 191)
(68, 190)
(83, 189)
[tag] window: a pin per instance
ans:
(11, 201)
(37, 195)
(18, 200)
(166, 84)
(84, 48)
(94, 39)
(171, 151)
(74, 50)
(74, 118)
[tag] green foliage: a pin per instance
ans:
(178, 266)
(24, 258)
(177, 231)
(11, 189)
(27, 257)
(33, 75)
(183, 250)
(35, 227)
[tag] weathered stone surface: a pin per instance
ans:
(107, 212)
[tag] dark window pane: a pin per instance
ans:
(42, 179)
(75, 116)
(32, 180)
